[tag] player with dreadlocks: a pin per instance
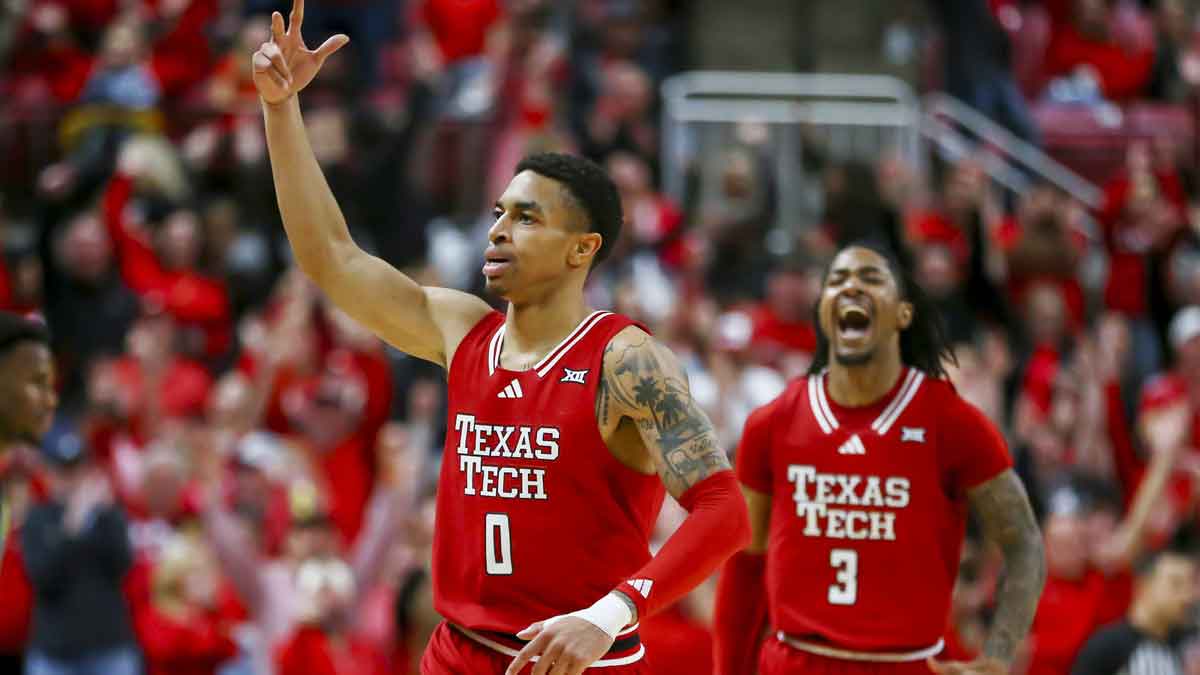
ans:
(858, 479)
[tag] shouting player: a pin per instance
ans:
(559, 417)
(27, 396)
(858, 480)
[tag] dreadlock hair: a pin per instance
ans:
(589, 186)
(924, 345)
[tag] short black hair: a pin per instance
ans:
(15, 329)
(590, 186)
(924, 345)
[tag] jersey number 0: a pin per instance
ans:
(497, 544)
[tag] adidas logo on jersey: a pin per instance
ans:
(513, 390)
(642, 586)
(854, 446)
(912, 435)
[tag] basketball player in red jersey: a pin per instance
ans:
(559, 417)
(858, 480)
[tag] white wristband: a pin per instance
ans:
(610, 614)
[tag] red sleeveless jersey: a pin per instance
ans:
(535, 517)
(869, 508)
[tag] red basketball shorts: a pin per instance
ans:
(780, 659)
(452, 653)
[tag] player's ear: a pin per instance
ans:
(584, 249)
(905, 315)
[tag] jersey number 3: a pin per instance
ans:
(845, 591)
(497, 544)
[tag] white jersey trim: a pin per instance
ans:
(494, 350)
(850, 655)
(818, 402)
(509, 651)
(496, 346)
(905, 396)
(816, 392)
(547, 363)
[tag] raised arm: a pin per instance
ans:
(424, 322)
(1164, 431)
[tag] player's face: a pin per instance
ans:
(537, 239)
(860, 308)
(27, 396)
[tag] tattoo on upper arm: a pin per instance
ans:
(643, 381)
(1003, 510)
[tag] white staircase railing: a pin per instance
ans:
(850, 117)
(955, 128)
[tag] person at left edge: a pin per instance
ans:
(27, 396)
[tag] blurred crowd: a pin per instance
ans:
(241, 480)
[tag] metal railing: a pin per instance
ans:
(955, 129)
(851, 117)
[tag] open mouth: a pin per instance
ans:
(495, 264)
(853, 322)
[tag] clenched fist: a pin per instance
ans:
(284, 65)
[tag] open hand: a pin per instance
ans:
(1166, 429)
(564, 645)
(284, 66)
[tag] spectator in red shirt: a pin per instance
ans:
(334, 406)
(1142, 213)
(460, 29)
(1089, 39)
(964, 222)
(165, 270)
(654, 222)
(46, 62)
(231, 88)
(322, 643)
(1066, 614)
(180, 56)
(154, 383)
(1177, 388)
(268, 585)
(960, 211)
(1044, 242)
(781, 334)
(1089, 557)
(181, 631)
(1046, 319)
